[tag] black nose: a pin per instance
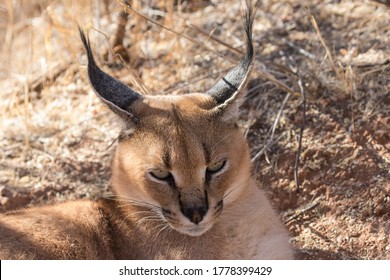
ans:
(194, 214)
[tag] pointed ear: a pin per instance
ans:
(229, 93)
(116, 95)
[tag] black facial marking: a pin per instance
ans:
(219, 204)
(166, 212)
(208, 178)
(167, 159)
(206, 153)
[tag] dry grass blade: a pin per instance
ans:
(128, 8)
(135, 79)
(214, 38)
(328, 53)
(263, 74)
(303, 209)
(302, 128)
(272, 130)
(280, 85)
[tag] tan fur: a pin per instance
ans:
(126, 228)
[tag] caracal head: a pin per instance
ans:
(180, 158)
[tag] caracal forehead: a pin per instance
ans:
(180, 127)
(189, 104)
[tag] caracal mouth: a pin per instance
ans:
(195, 230)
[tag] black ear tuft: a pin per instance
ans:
(116, 95)
(228, 89)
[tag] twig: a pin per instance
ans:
(303, 209)
(298, 156)
(117, 41)
(352, 90)
(192, 80)
(317, 29)
(320, 234)
(38, 82)
(134, 77)
(214, 38)
(127, 7)
(276, 82)
(263, 74)
(300, 50)
(272, 130)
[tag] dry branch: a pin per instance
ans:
(38, 83)
(328, 53)
(302, 128)
(117, 40)
(309, 206)
(272, 130)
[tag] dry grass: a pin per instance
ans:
(55, 134)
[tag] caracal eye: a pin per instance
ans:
(217, 166)
(161, 174)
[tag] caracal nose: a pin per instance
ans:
(194, 214)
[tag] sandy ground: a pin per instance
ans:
(55, 141)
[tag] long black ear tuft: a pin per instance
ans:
(116, 95)
(229, 89)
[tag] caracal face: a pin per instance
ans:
(182, 164)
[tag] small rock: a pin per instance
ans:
(24, 180)
(4, 200)
(4, 191)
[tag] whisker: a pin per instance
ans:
(148, 219)
(167, 229)
(226, 205)
(230, 191)
(239, 185)
(134, 201)
(123, 220)
(162, 229)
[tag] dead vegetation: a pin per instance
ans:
(55, 135)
